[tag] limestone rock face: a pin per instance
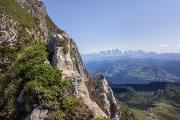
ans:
(38, 10)
(8, 30)
(73, 69)
(37, 114)
(101, 93)
(69, 62)
(94, 91)
(11, 31)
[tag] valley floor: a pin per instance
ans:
(161, 111)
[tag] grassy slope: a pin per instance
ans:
(165, 112)
(11, 8)
(164, 107)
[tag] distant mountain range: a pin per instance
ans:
(134, 67)
(136, 71)
(139, 54)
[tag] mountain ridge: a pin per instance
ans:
(128, 70)
(42, 73)
(136, 54)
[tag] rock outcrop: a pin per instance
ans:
(63, 54)
(94, 91)
(101, 93)
(8, 30)
(37, 114)
(37, 9)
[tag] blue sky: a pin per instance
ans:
(95, 25)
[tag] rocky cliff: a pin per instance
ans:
(94, 91)
(23, 24)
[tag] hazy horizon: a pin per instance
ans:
(135, 50)
(103, 24)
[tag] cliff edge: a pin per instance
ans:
(37, 60)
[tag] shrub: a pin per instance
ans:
(8, 55)
(43, 85)
(103, 118)
(46, 82)
(59, 31)
(16, 78)
(58, 115)
(69, 102)
(51, 26)
(64, 44)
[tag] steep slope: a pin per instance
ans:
(66, 57)
(42, 74)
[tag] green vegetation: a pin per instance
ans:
(58, 115)
(58, 30)
(135, 71)
(126, 113)
(17, 77)
(10, 53)
(148, 101)
(64, 44)
(13, 9)
(139, 114)
(134, 99)
(162, 111)
(19, 14)
(51, 26)
(43, 85)
(104, 118)
(7, 52)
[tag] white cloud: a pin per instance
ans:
(178, 45)
(164, 45)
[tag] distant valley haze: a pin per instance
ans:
(134, 67)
